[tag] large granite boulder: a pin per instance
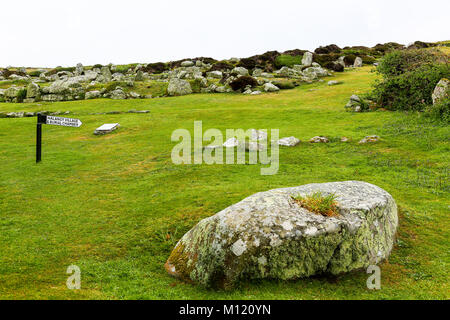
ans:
(178, 87)
(240, 71)
(441, 91)
(358, 62)
(33, 91)
(269, 235)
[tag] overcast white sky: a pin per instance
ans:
(48, 33)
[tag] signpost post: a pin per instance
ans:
(57, 121)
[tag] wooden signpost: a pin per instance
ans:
(57, 121)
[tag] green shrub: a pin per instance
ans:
(111, 86)
(411, 90)
(285, 60)
(242, 82)
(401, 61)
(21, 95)
(35, 73)
(440, 111)
(368, 59)
(196, 85)
(124, 68)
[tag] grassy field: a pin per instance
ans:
(115, 205)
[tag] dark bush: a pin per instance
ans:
(295, 52)
(97, 66)
(322, 59)
(157, 67)
(35, 73)
(248, 63)
(332, 48)
(205, 60)
(21, 95)
(221, 66)
(349, 59)
(421, 45)
(383, 48)
(242, 82)
(7, 73)
(334, 66)
(264, 61)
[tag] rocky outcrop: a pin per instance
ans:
(269, 235)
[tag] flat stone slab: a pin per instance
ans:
(269, 235)
(288, 142)
(106, 128)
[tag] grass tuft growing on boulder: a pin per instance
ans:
(319, 204)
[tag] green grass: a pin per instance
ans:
(287, 60)
(115, 205)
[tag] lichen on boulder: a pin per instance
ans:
(268, 235)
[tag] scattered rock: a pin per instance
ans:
(369, 139)
(268, 235)
(319, 139)
(269, 87)
(344, 139)
(106, 128)
(258, 135)
(333, 83)
(231, 143)
(288, 142)
(354, 104)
